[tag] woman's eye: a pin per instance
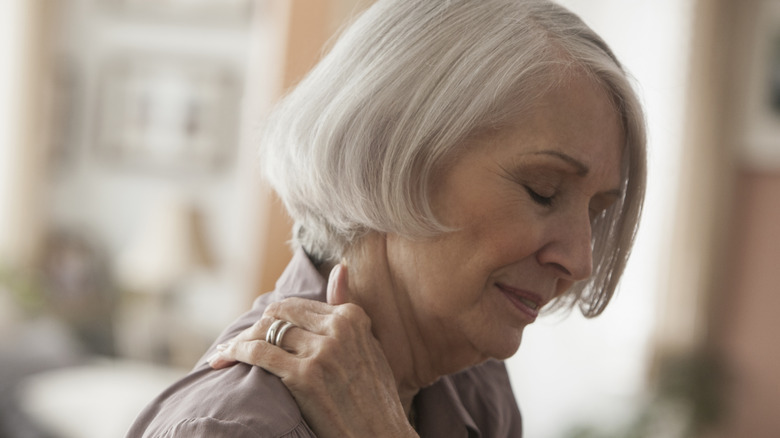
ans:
(545, 201)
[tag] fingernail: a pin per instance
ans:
(332, 280)
(212, 360)
(334, 274)
(223, 347)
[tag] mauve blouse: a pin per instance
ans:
(244, 401)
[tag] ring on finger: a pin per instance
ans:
(270, 335)
(281, 331)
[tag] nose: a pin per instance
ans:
(567, 249)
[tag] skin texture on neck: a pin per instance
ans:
(371, 286)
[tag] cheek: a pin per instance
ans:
(451, 272)
(418, 268)
(507, 238)
(441, 277)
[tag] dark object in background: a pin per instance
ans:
(774, 76)
(77, 289)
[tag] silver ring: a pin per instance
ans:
(280, 334)
(270, 335)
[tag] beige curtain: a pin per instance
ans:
(26, 63)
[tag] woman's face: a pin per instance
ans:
(522, 202)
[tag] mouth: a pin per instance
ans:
(527, 302)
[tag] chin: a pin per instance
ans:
(506, 349)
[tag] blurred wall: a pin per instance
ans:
(121, 119)
(745, 288)
(724, 282)
(26, 28)
(749, 308)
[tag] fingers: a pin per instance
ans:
(260, 353)
(338, 286)
(248, 348)
(297, 339)
(312, 320)
(309, 315)
(218, 360)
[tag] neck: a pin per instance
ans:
(392, 319)
(401, 343)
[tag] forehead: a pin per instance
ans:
(578, 119)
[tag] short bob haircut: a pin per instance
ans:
(354, 148)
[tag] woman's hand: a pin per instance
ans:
(331, 363)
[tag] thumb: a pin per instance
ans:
(338, 286)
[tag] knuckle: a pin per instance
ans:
(255, 352)
(355, 315)
(260, 326)
(340, 327)
(265, 322)
(273, 309)
(257, 327)
(348, 309)
(257, 324)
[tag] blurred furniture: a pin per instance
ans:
(76, 288)
(96, 400)
(169, 248)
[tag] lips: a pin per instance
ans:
(525, 301)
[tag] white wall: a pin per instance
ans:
(592, 372)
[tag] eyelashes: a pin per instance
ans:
(529, 179)
(545, 201)
(548, 201)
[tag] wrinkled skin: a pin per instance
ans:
(331, 363)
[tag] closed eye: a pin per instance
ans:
(544, 201)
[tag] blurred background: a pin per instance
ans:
(134, 225)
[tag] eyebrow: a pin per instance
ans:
(581, 168)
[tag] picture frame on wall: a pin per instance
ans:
(167, 113)
(761, 125)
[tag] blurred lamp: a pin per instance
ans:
(170, 245)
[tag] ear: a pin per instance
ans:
(338, 285)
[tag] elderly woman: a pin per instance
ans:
(453, 168)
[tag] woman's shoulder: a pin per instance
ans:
(240, 401)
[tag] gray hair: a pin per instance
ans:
(355, 147)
